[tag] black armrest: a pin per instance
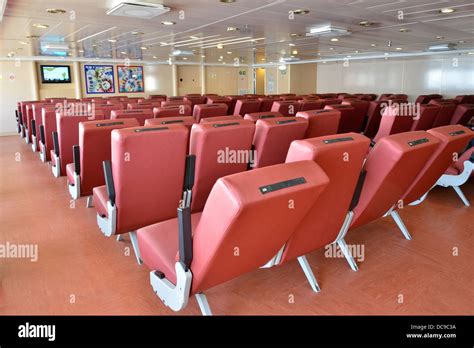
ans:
(33, 127)
(16, 115)
(472, 157)
(56, 143)
(20, 118)
(77, 159)
(358, 190)
(42, 138)
(109, 181)
(185, 237)
(189, 172)
(372, 143)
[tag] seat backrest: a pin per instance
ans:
(266, 103)
(249, 211)
(255, 116)
(349, 121)
(393, 121)
(218, 147)
(246, 106)
(107, 109)
(171, 111)
(209, 110)
(463, 114)
(453, 139)
(48, 121)
(221, 118)
(175, 98)
(445, 113)
(186, 121)
(195, 99)
(149, 186)
(361, 107)
(38, 114)
(286, 108)
(139, 115)
(374, 115)
(68, 134)
(391, 167)
(157, 96)
(310, 104)
(427, 117)
(176, 103)
(341, 157)
(462, 99)
(459, 164)
(331, 101)
(94, 148)
(321, 122)
(273, 137)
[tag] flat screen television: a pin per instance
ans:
(55, 74)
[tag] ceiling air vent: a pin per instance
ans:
(138, 9)
(443, 47)
(328, 30)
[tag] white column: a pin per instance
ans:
(77, 79)
(203, 79)
(175, 79)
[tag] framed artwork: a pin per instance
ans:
(99, 79)
(130, 79)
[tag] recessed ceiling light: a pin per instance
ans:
(136, 33)
(203, 56)
(470, 53)
(356, 51)
(227, 1)
(447, 10)
(81, 51)
(399, 48)
(168, 23)
(112, 40)
(94, 45)
(291, 44)
(331, 48)
(299, 11)
(295, 35)
(184, 58)
(143, 48)
(55, 11)
(23, 42)
(263, 59)
(220, 46)
(123, 52)
(229, 52)
(404, 30)
(40, 26)
(373, 45)
(334, 39)
(155, 57)
(294, 52)
(194, 37)
(232, 28)
(439, 37)
(349, 56)
(366, 23)
(461, 41)
(221, 57)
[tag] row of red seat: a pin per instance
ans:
(273, 212)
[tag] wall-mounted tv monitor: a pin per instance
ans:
(55, 74)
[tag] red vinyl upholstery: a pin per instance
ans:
(172, 111)
(149, 186)
(195, 99)
(428, 115)
(374, 116)
(246, 106)
(222, 100)
(209, 143)
(186, 121)
(361, 109)
(393, 123)
(321, 122)
(38, 118)
(140, 115)
(237, 213)
(463, 114)
(391, 167)
(445, 113)
(209, 110)
(311, 104)
(341, 157)
(453, 139)
(221, 118)
(107, 109)
(273, 137)
(94, 148)
(176, 103)
(349, 121)
(286, 108)
(266, 103)
(255, 116)
(49, 123)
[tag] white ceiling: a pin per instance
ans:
(202, 24)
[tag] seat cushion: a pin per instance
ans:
(452, 170)
(70, 173)
(159, 245)
(100, 200)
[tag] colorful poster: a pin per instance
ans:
(130, 79)
(99, 79)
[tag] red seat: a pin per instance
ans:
(140, 115)
(171, 111)
(328, 219)
(374, 116)
(240, 212)
(46, 129)
(86, 171)
(255, 116)
(453, 139)
(349, 121)
(176, 103)
(36, 122)
(331, 101)
(462, 99)
(393, 122)
(286, 108)
(175, 98)
(221, 118)
(217, 147)
(27, 120)
(209, 110)
(148, 187)
(391, 167)
(321, 122)
(311, 104)
(445, 113)
(463, 114)
(222, 100)
(157, 96)
(68, 136)
(266, 103)
(142, 106)
(427, 117)
(186, 121)
(107, 109)
(246, 106)
(195, 99)
(361, 109)
(273, 137)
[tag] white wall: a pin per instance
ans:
(412, 76)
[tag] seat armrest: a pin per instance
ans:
(109, 181)
(42, 138)
(185, 237)
(56, 143)
(358, 190)
(77, 159)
